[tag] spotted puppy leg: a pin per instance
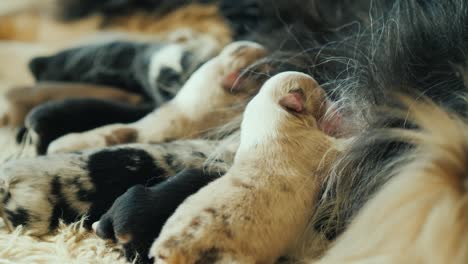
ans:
(258, 210)
(37, 192)
(211, 97)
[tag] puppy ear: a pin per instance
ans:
(293, 101)
(232, 82)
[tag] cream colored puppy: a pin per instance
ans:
(258, 209)
(212, 96)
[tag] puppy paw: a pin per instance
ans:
(133, 221)
(76, 141)
(197, 237)
(104, 137)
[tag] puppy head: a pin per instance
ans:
(168, 69)
(236, 57)
(291, 94)
(217, 84)
(290, 100)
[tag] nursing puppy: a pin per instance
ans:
(270, 189)
(154, 70)
(22, 100)
(423, 210)
(212, 96)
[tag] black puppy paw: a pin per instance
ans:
(136, 217)
(133, 221)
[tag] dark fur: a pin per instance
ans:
(415, 48)
(120, 64)
(57, 118)
(141, 212)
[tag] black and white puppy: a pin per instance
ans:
(156, 71)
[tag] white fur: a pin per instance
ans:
(170, 57)
(262, 114)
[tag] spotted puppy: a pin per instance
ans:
(259, 208)
(37, 192)
(211, 97)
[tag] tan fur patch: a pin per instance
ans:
(22, 100)
(121, 135)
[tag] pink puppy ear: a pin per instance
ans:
(232, 81)
(294, 101)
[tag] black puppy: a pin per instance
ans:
(136, 217)
(121, 64)
(53, 119)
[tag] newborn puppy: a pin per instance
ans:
(154, 70)
(258, 210)
(212, 96)
(136, 217)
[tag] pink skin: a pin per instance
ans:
(232, 82)
(333, 126)
(294, 101)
